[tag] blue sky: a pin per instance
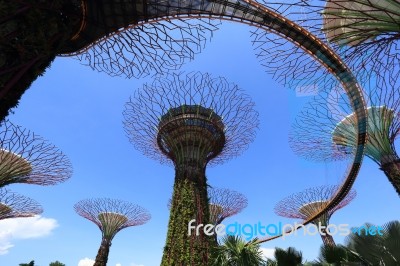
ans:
(80, 111)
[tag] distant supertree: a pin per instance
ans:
(111, 216)
(365, 33)
(13, 205)
(306, 204)
(223, 203)
(190, 120)
(325, 130)
(27, 158)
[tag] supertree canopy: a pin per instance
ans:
(306, 204)
(13, 205)
(190, 120)
(325, 130)
(111, 216)
(364, 33)
(27, 158)
(225, 203)
(356, 22)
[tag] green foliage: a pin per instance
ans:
(56, 263)
(363, 249)
(333, 254)
(378, 249)
(182, 249)
(30, 36)
(271, 262)
(32, 263)
(289, 257)
(234, 251)
(337, 256)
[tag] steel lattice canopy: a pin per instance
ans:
(378, 146)
(12, 164)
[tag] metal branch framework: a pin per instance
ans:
(111, 216)
(148, 48)
(13, 205)
(225, 203)
(306, 204)
(27, 158)
(363, 32)
(190, 94)
(242, 11)
(325, 129)
(191, 120)
(116, 37)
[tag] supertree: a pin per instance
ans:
(111, 216)
(325, 130)
(192, 121)
(13, 205)
(363, 32)
(306, 204)
(27, 158)
(224, 203)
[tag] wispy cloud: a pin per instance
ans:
(86, 262)
(24, 228)
(5, 242)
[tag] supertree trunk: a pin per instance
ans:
(102, 254)
(392, 171)
(189, 202)
(30, 34)
(327, 238)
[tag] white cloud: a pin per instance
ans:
(86, 262)
(118, 264)
(5, 242)
(24, 228)
(134, 264)
(268, 253)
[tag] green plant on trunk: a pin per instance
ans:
(185, 190)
